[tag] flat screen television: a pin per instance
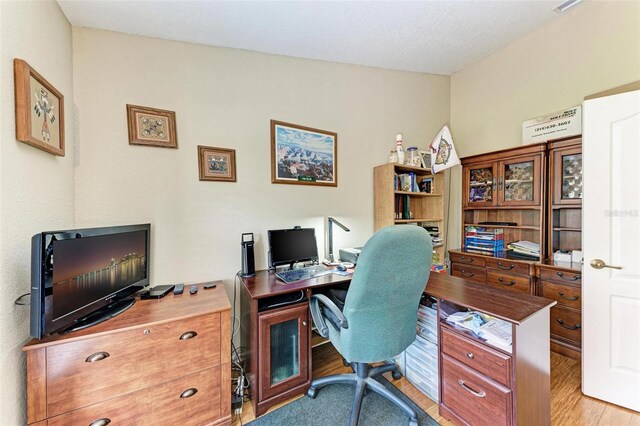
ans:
(80, 277)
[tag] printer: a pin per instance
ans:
(350, 254)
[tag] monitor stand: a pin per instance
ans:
(102, 314)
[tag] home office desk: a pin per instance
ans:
(277, 342)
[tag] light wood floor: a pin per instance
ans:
(568, 405)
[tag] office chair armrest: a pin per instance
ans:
(318, 318)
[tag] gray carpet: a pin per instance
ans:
(332, 407)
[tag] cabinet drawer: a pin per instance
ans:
(473, 397)
(561, 277)
(564, 294)
(160, 405)
(467, 272)
(566, 323)
(466, 259)
(508, 281)
(491, 363)
(132, 360)
(507, 265)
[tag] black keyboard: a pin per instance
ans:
(300, 274)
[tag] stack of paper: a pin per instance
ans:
(497, 333)
(527, 248)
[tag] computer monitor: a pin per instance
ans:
(288, 246)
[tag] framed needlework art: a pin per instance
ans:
(151, 127)
(216, 164)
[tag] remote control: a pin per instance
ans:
(178, 289)
(207, 286)
(194, 289)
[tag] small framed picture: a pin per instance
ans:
(39, 110)
(426, 185)
(426, 159)
(216, 164)
(151, 127)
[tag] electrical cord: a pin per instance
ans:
(19, 301)
(240, 384)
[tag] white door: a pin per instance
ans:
(611, 238)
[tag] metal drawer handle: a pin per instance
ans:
(101, 422)
(506, 268)
(575, 327)
(500, 183)
(98, 356)
(189, 393)
(467, 274)
(470, 355)
(480, 394)
(510, 283)
(574, 278)
(466, 259)
(188, 335)
(570, 299)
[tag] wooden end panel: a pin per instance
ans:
(509, 282)
(225, 337)
(136, 359)
(467, 259)
(471, 273)
(36, 385)
(225, 389)
(42, 423)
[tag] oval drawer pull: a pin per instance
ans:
(570, 299)
(506, 268)
(468, 274)
(568, 327)
(574, 278)
(510, 283)
(470, 355)
(466, 259)
(98, 356)
(188, 335)
(101, 422)
(189, 393)
(480, 394)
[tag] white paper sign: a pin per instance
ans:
(560, 124)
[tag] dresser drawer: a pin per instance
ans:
(564, 294)
(561, 277)
(131, 360)
(471, 396)
(160, 405)
(507, 265)
(508, 281)
(467, 259)
(566, 323)
(491, 363)
(467, 272)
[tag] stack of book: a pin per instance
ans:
(406, 182)
(434, 231)
(484, 240)
(526, 250)
(403, 207)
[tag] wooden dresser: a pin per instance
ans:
(162, 362)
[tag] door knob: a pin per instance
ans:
(599, 264)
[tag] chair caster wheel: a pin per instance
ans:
(313, 392)
(413, 422)
(396, 375)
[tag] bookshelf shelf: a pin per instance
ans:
(399, 221)
(568, 229)
(418, 194)
(534, 228)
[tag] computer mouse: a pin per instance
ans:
(341, 268)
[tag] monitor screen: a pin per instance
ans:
(292, 245)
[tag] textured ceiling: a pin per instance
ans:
(439, 37)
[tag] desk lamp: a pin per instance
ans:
(331, 221)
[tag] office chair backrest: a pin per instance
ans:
(382, 302)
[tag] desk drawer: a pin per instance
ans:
(466, 259)
(565, 295)
(467, 272)
(567, 323)
(506, 265)
(477, 400)
(561, 277)
(508, 281)
(491, 363)
(131, 360)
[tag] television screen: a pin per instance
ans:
(292, 245)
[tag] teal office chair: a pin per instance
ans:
(380, 311)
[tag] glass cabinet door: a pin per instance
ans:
(284, 353)
(567, 176)
(519, 181)
(480, 185)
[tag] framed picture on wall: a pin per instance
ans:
(303, 155)
(216, 164)
(152, 127)
(39, 110)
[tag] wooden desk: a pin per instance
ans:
(528, 314)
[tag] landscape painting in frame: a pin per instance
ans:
(303, 155)
(39, 110)
(217, 164)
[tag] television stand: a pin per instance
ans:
(102, 314)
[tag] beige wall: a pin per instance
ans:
(225, 98)
(592, 47)
(36, 188)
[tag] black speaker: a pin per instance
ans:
(248, 258)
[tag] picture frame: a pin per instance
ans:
(152, 127)
(426, 185)
(39, 110)
(216, 164)
(426, 158)
(303, 155)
